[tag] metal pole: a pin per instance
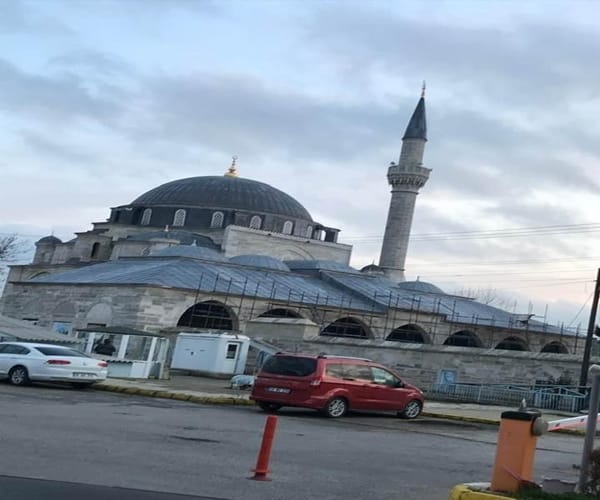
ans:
(590, 430)
(590, 335)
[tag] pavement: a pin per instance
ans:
(214, 391)
(206, 390)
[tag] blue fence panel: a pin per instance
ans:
(565, 398)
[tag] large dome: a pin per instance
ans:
(224, 192)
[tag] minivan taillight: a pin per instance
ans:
(58, 362)
(103, 364)
(315, 383)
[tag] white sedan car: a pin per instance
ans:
(22, 362)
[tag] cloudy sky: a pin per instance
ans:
(102, 100)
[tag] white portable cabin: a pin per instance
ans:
(213, 354)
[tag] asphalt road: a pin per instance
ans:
(86, 443)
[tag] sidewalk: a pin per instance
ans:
(217, 391)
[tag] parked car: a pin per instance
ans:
(23, 362)
(333, 385)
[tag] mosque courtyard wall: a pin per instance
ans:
(157, 309)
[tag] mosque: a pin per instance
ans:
(230, 253)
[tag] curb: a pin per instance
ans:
(242, 401)
(487, 421)
(179, 396)
(475, 420)
(465, 492)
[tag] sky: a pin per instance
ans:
(103, 100)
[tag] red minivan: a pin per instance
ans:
(333, 385)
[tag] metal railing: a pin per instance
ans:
(557, 397)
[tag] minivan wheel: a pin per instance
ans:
(18, 376)
(336, 407)
(412, 409)
(268, 407)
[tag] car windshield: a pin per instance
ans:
(61, 351)
(290, 365)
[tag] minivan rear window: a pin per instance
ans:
(290, 365)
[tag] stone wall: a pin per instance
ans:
(281, 328)
(156, 309)
(422, 364)
(240, 241)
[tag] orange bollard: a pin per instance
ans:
(264, 454)
(515, 450)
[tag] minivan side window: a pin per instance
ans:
(359, 372)
(335, 370)
(290, 365)
(381, 376)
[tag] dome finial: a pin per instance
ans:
(232, 171)
(423, 89)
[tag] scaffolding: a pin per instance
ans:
(380, 313)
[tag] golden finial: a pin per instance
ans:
(232, 171)
(423, 89)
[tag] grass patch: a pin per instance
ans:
(534, 494)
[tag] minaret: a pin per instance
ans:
(405, 178)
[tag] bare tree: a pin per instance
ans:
(488, 296)
(10, 247)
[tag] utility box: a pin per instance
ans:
(211, 354)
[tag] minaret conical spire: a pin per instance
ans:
(417, 126)
(406, 178)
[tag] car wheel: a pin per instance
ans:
(336, 407)
(269, 407)
(18, 376)
(412, 409)
(81, 385)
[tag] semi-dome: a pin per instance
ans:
(224, 192)
(263, 261)
(191, 252)
(52, 240)
(319, 265)
(184, 238)
(420, 286)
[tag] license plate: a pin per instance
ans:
(280, 390)
(83, 375)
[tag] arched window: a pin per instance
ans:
(255, 222)
(210, 314)
(309, 232)
(556, 347)
(464, 338)
(512, 344)
(288, 225)
(280, 312)
(217, 220)
(95, 250)
(345, 327)
(146, 217)
(410, 334)
(179, 219)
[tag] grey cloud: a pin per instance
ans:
(55, 149)
(18, 16)
(53, 98)
(93, 61)
(519, 63)
(527, 212)
(480, 249)
(244, 115)
(150, 7)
